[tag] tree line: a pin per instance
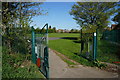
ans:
(54, 30)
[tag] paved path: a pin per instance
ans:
(50, 38)
(59, 69)
(54, 38)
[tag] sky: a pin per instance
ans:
(58, 16)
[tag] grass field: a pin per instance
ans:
(107, 52)
(69, 49)
(64, 35)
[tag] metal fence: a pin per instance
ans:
(113, 36)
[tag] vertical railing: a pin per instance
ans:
(33, 46)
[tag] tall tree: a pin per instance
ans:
(21, 12)
(50, 27)
(93, 14)
(16, 18)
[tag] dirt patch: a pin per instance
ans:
(26, 63)
(111, 67)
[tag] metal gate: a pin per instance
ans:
(40, 50)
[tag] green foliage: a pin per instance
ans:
(20, 11)
(89, 28)
(117, 18)
(99, 64)
(93, 13)
(86, 37)
(54, 29)
(12, 66)
(16, 18)
(16, 39)
(37, 30)
(50, 30)
(74, 31)
(107, 52)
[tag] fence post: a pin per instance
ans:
(33, 46)
(95, 45)
(82, 43)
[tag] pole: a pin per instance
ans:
(47, 59)
(95, 45)
(33, 46)
(81, 42)
(88, 46)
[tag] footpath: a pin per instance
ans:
(60, 69)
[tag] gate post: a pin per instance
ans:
(47, 52)
(95, 45)
(33, 46)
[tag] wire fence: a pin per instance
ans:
(113, 36)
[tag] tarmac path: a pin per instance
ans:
(60, 69)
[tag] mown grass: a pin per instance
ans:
(63, 34)
(11, 66)
(59, 35)
(69, 49)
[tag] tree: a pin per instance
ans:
(16, 19)
(21, 12)
(72, 30)
(37, 30)
(117, 18)
(49, 27)
(95, 14)
(91, 16)
(54, 29)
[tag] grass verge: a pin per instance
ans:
(16, 66)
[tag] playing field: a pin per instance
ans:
(64, 34)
